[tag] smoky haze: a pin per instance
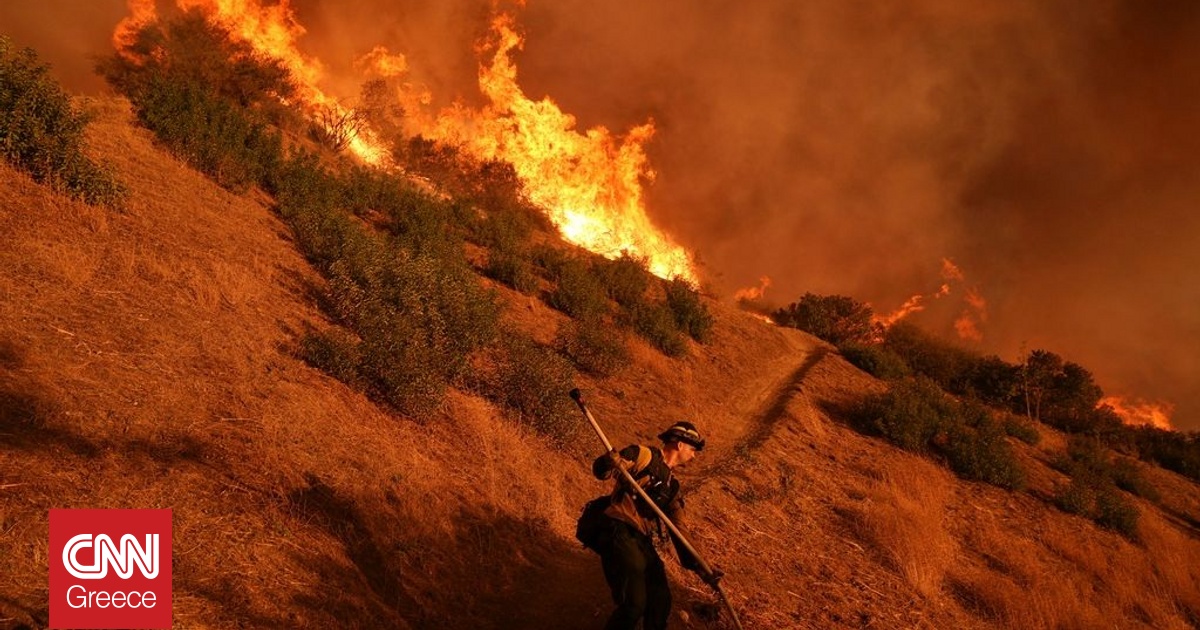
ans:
(1051, 149)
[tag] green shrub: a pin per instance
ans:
(911, 414)
(217, 137)
(579, 293)
(41, 134)
(834, 318)
(1116, 513)
(978, 449)
(656, 323)
(1077, 497)
(418, 310)
(691, 315)
(917, 416)
(1093, 491)
(1022, 430)
(593, 346)
(1127, 475)
(552, 260)
(875, 360)
(625, 279)
(533, 381)
(335, 351)
(511, 269)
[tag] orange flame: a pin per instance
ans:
(1139, 412)
(913, 305)
(749, 294)
(967, 325)
(382, 62)
(589, 183)
(141, 13)
(973, 315)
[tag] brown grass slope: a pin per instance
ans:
(148, 359)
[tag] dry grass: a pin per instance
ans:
(904, 516)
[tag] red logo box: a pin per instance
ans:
(110, 568)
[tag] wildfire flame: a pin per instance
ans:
(967, 325)
(1141, 412)
(588, 183)
(750, 294)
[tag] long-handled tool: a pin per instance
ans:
(577, 396)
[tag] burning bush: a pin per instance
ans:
(191, 51)
(41, 134)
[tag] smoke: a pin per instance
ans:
(1051, 149)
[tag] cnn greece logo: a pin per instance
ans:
(115, 569)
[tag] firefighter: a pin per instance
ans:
(626, 528)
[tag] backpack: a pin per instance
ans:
(594, 525)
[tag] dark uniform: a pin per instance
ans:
(632, 567)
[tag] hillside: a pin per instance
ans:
(148, 358)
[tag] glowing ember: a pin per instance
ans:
(1139, 412)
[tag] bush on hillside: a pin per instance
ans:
(910, 414)
(335, 352)
(578, 293)
(655, 323)
(691, 315)
(626, 279)
(917, 416)
(593, 346)
(193, 52)
(1175, 451)
(533, 382)
(551, 260)
(511, 269)
(1093, 490)
(1022, 429)
(943, 362)
(41, 134)
(834, 318)
(875, 359)
(419, 316)
(977, 448)
(218, 138)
